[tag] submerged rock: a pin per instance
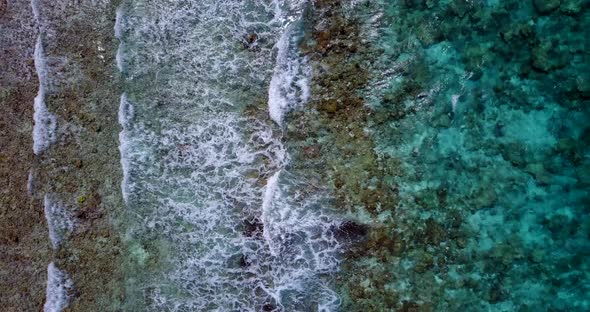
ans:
(547, 56)
(583, 84)
(312, 151)
(546, 6)
(537, 170)
(328, 106)
(461, 7)
(250, 38)
(583, 174)
(350, 231)
(3, 6)
(253, 228)
(423, 261)
(571, 6)
(485, 197)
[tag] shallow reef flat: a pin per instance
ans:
(322, 155)
(24, 246)
(474, 160)
(60, 157)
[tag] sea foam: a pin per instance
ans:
(118, 23)
(118, 28)
(59, 221)
(58, 285)
(35, 9)
(195, 167)
(125, 115)
(298, 232)
(289, 85)
(45, 127)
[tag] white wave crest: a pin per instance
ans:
(200, 178)
(59, 221)
(289, 86)
(45, 127)
(58, 285)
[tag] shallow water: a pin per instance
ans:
(212, 223)
(292, 155)
(484, 105)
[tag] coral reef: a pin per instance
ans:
(24, 243)
(483, 106)
(457, 133)
(451, 137)
(80, 170)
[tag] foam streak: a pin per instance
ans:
(58, 285)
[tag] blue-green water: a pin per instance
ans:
(485, 104)
(350, 155)
(482, 105)
(216, 222)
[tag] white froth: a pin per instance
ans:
(304, 85)
(119, 35)
(125, 111)
(119, 57)
(125, 115)
(269, 193)
(300, 241)
(278, 12)
(58, 285)
(118, 23)
(45, 127)
(30, 182)
(289, 85)
(286, 11)
(331, 300)
(276, 102)
(35, 8)
(123, 149)
(454, 101)
(193, 165)
(59, 221)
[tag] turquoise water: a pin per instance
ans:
(332, 155)
(482, 105)
(215, 221)
(486, 106)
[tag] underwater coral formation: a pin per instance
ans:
(484, 105)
